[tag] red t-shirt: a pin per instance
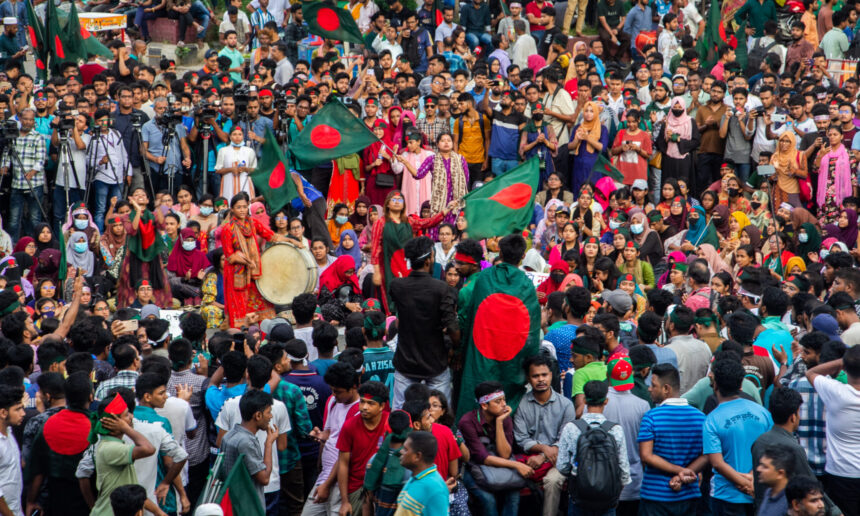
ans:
(630, 163)
(361, 443)
(533, 9)
(447, 449)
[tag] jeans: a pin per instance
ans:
(76, 195)
(742, 170)
(509, 501)
(654, 183)
(200, 13)
(441, 382)
(102, 193)
(141, 18)
(499, 166)
(680, 508)
(474, 39)
(272, 508)
(723, 508)
(17, 201)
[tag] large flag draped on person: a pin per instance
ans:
(333, 132)
(326, 20)
(502, 328)
(272, 177)
(505, 204)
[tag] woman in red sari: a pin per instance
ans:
(376, 158)
(243, 267)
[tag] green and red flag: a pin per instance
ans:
(502, 328)
(504, 205)
(239, 494)
(604, 167)
(56, 39)
(272, 177)
(327, 20)
(333, 132)
(85, 44)
(36, 35)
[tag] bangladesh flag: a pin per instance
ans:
(505, 204)
(56, 38)
(503, 317)
(272, 179)
(240, 495)
(36, 34)
(333, 132)
(327, 20)
(604, 167)
(84, 43)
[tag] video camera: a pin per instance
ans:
(241, 95)
(66, 119)
(206, 110)
(136, 119)
(8, 129)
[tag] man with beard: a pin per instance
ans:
(255, 126)
(538, 422)
(266, 70)
(232, 52)
(712, 146)
(267, 109)
(804, 495)
(9, 44)
(505, 134)
(800, 50)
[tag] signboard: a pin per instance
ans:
(537, 277)
(172, 316)
(95, 22)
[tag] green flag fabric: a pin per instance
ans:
(707, 44)
(502, 329)
(604, 167)
(505, 204)
(83, 41)
(239, 493)
(56, 40)
(333, 132)
(272, 178)
(327, 20)
(36, 35)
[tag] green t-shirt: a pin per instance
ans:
(612, 13)
(236, 60)
(114, 468)
(593, 371)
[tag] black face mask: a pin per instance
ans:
(677, 112)
(755, 205)
(557, 276)
(537, 117)
(734, 192)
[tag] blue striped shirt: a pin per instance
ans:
(676, 430)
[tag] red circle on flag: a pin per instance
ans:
(59, 47)
(328, 19)
(39, 64)
(501, 326)
(33, 41)
(514, 197)
(276, 178)
(325, 137)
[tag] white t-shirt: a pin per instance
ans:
(10, 472)
(842, 403)
(333, 423)
(305, 335)
(230, 156)
(147, 467)
(178, 412)
(79, 159)
(851, 336)
(692, 18)
(230, 417)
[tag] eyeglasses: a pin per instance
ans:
(46, 287)
(397, 199)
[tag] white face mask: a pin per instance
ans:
(82, 223)
(637, 228)
(614, 225)
(803, 237)
(189, 246)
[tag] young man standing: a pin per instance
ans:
(425, 493)
(11, 415)
(589, 366)
(774, 469)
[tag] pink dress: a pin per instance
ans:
(415, 191)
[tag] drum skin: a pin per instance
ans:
(287, 272)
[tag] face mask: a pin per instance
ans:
(733, 192)
(236, 145)
(206, 211)
(557, 277)
(82, 224)
(677, 112)
(614, 225)
(189, 246)
(537, 117)
(803, 237)
(637, 228)
(755, 205)
(341, 219)
(824, 253)
(80, 247)
(47, 314)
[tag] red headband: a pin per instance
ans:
(465, 258)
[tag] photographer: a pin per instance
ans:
(164, 161)
(255, 126)
(220, 124)
(28, 174)
(70, 128)
(124, 120)
(109, 161)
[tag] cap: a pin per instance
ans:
(282, 333)
(620, 373)
(619, 300)
(209, 509)
(640, 184)
(269, 324)
(663, 82)
(10, 20)
(150, 310)
(211, 52)
(563, 209)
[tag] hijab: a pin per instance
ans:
(84, 260)
(700, 231)
(673, 257)
(801, 216)
(543, 224)
(755, 236)
(781, 159)
(181, 262)
(534, 261)
(602, 189)
(41, 246)
(791, 262)
(847, 234)
(335, 275)
(760, 220)
(22, 244)
(743, 220)
(263, 218)
(110, 241)
(682, 125)
(593, 128)
(355, 218)
(74, 211)
(639, 214)
(679, 222)
(812, 245)
(355, 252)
(548, 286)
(722, 226)
(715, 261)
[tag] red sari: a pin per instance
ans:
(241, 296)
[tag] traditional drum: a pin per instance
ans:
(287, 272)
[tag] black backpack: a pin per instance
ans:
(597, 484)
(756, 57)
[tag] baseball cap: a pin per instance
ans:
(618, 300)
(269, 324)
(282, 333)
(619, 371)
(640, 184)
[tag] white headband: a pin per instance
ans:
(490, 397)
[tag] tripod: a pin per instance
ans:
(168, 134)
(205, 134)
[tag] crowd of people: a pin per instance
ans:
(688, 341)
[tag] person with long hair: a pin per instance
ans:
(243, 267)
(80, 219)
(142, 261)
(378, 176)
(185, 202)
(390, 233)
(641, 270)
(213, 303)
(450, 180)
(360, 213)
(582, 213)
(669, 192)
(112, 247)
(808, 242)
(845, 229)
(650, 247)
(569, 242)
(590, 138)
(234, 163)
(415, 191)
(605, 275)
(587, 258)
(834, 177)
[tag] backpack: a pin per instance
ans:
(597, 484)
(756, 57)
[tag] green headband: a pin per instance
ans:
(680, 267)
(585, 351)
(11, 308)
(706, 320)
(376, 330)
(592, 401)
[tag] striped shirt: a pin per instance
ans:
(32, 152)
(811, 432)
(425, 494)
(676, 431)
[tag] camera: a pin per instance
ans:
(241, 95)
(8, 129)
(206, 110)
(136, 119)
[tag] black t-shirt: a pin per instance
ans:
(126, 79)
(612, 13)
(546, 41)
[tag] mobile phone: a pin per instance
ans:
(129, 326)
(778, 118)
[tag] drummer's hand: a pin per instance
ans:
(279, 238)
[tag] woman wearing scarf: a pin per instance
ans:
(212, 304)
(415, 191)
(6, 247)
(715, 262)
(650, 247)
(834, 178)
(548, 221)
(345, 183)
(759, 214)
(186, 268)
(559, 269)
(671, 259)
(12, 268)
(45, 238)
(354, 251)
(569, 242)
(677, 214)
(80, 219)
(632, 264)
(378, 176)
(808, 242)
(533, 262)
(801, 216)
(450, 179)
(629, 284)
(112, 246)
(794, 265)
(699, 232)
(243, 267)
(25, 245)
(78, 254)
(790, 168)
(234, 163)
(339, 273)
(845, 228)
(399, 121)
(669, 193)
(339, 292)
(373, 214)
(590, 139)
(677, 138)
(47, 266)
(142, 260)
(773, 261)
(720, 221)
(360, 214)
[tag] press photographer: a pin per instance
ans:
(166, 148)
(25, 157)
(254, 126)
(108, 162)
(220, 123)
(71, 138)
(125, 119)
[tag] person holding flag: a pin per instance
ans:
(142, 262)
(450, 175)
